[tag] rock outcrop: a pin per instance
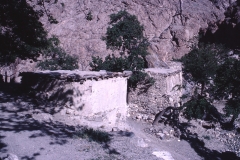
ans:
(170, 25)
(227, 32)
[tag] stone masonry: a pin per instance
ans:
(101, 97)
(165, 92)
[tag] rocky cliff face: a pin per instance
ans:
(170, 25)
(227, 32)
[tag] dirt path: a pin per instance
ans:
(44, 138)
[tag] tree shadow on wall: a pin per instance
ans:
(15, 104)
(51, 94)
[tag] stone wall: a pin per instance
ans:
(165, 92)
(101, 97)
(92, 96)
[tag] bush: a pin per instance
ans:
(62, 62)
(56, 58)
(93, 135)
(227, 86)
(201, 63)
(125, 35)
(199, 108)
(111, 63)
(206, 65)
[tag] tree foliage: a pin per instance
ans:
(55, 58)
(125, 34)
(201, 63)
(200, 108)
(111, 63)
(22, 35)
(227, 85)
(218, 72)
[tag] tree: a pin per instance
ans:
(212, 71)
(200, 66)
(125, 35)
(227, 86)
(215, 68)
(201, 63)
(22, 34)
(55, 58)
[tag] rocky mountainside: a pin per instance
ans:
(227, 32)
(170, 25)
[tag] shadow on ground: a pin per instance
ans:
(15, 102)
(202, 151)
(14, 117)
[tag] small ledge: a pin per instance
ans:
(75, 75)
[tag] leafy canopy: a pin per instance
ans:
(55, 58)
(227, 85)
(125, 34)
(199, 66)
(22, 35)
(201, 63)
(218, 73)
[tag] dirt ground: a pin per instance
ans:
(28, 132)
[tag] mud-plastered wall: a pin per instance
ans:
(166, 91)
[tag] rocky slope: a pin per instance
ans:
(227, 32)
(170, 25)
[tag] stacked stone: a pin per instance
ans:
(165, 92)
(74, 76)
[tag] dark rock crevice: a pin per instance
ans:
(228, 31)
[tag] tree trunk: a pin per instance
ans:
(202, 88)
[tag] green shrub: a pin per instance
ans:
(55, 58)
(126, 36)
(227, 86)
(197, 108)
(62, 62)
(93, 135)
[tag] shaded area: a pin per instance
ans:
(201, 150)
(93, 135)
(206, 153)
(15, 104)
(46, 91)
(228, 32)
(33, 157)
(183, 133)
(2, 145)
(14, 119)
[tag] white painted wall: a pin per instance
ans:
(94, 99)
(105, 98)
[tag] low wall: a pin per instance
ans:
(101, 97)
(165, 92)
(93, 96)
